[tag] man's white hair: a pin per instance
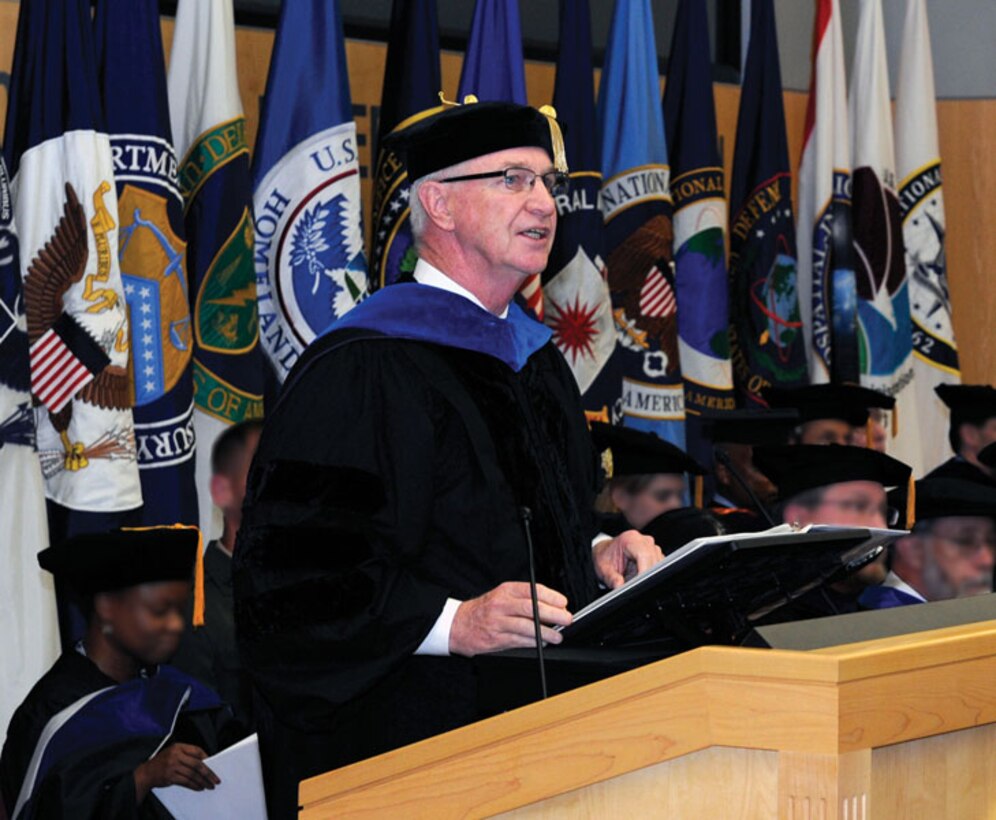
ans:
(419, 219)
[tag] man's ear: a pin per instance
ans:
(723, 475)
(221, 491)
(103, 606)
(435, 199)
(910, 552)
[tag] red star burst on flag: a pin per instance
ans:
(574, 328)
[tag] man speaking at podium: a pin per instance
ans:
(383, 541)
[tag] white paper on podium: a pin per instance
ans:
(239, 795)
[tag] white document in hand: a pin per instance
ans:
(239, 795)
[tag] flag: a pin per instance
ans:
(310, 262)
(30, 636)
(209, 136)
(921, 202)
(636, 206)
(765, 339)
(65, 206)
(411, 85)
(828, 301)
(578, 307)
(493, 70)
(152, 254)
(885, 341)
(699, 223)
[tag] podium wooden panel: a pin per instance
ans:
(897, 727)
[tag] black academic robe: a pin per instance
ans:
(95, 784)
(957, 467)
(390, 477)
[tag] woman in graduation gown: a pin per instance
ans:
(108, 722)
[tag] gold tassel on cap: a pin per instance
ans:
(911, 504)
(556, 138)
(467, 99)
(895, 420)
(869, 432)
(699, 491)
(198, 616)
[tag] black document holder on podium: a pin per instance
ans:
(710, 591)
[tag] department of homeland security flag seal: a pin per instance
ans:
(310, 263)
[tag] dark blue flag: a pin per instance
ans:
(578, 307)
(699, 221)
(310, 263)
(152, 252)
(765, 323)
(411, 85)
(493, 67)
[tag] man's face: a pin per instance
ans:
(846, 504)
(826, 431)
(666, 491)
(879, 435)
(959, 557)
(505, 233)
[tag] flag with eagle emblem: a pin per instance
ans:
(209, 136)
(885, 338)
(310, 264)
(29, 641)
(66, 210)
(152, 253)
(636, 206)
(578, 307)
(921, 203)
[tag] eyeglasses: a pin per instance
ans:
(518, 180)
(865, 507)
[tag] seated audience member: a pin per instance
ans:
(108, 722)
(973, 427)
(645, 476)
(951, 550)
(838, 485)
(209, 652)
(875, 434)
(829, 413)
(734, 435)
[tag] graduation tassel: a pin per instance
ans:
(895, 420)
(869, 435)
(911, 504)
(556, 138)
(699, 487)
(198, 616)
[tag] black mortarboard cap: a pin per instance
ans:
(987, 455)
(750, 426)
(102, 562)
(941, 497)
(800, 467)
(969, 403)
(847, 402)
(450, 134)
(675, 528)
(634, 452)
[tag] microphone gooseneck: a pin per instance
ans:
(526, 515)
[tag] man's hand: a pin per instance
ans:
(620, 558)
(179, 764)
(503, 619)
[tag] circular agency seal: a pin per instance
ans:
(310, 265)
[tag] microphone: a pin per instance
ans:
(724, 458)
(526, 515)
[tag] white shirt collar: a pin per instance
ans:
(426, 274)
(894, 581)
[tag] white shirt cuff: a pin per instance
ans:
(602, 536)
(437, 642)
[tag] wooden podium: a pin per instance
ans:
(902, 727)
